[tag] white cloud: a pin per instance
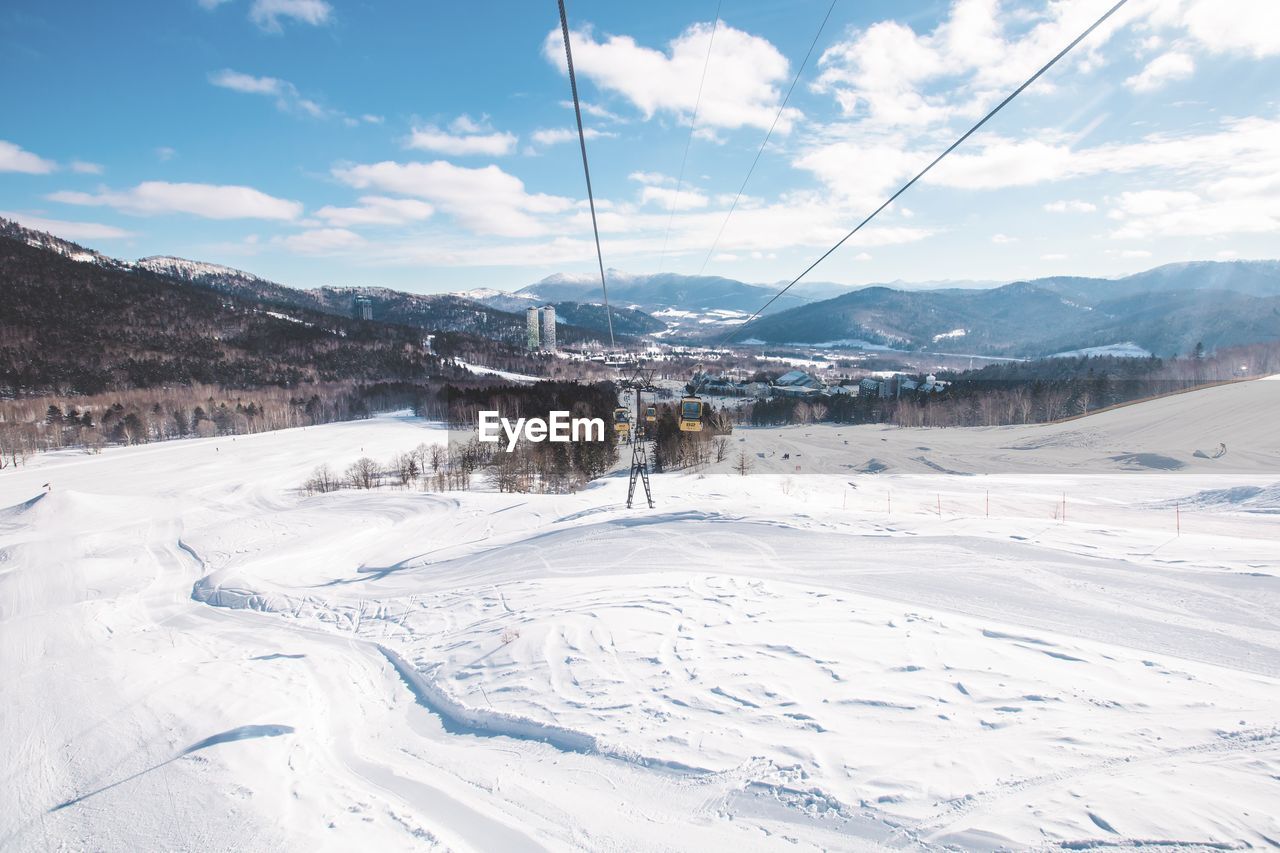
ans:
(465, 136)
(377, 210)
(1251, 27)
(16, 159)
(1001, 239)
(557, 135)
(1165, 68)
(1200, 213)
(370, 118)
(210, 201)
(1002, 162)
(321, 241)
(651, 178)
(1070, 206)
(1250, 145)
(247, 83)
(878, 74)
(595, 110)
(286, 95)
(635, 232)
(743, 77)
(860, 174)
(1054, 256)
(669, 198)
(1206, 183)
(883, 73)
(82, 167)
(164, 153)
(1129, 254)
(268, 13)
(485, 200)
(68, 230)
(862, 256)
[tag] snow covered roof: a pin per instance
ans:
(797, 377)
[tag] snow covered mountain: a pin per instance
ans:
(218, 276)
(657, 292)
(57, 245)
(435, 312)
(1165, 311)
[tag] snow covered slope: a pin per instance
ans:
(197, 656)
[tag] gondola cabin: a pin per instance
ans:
(621, 420)
(651, 414)
(691, 414)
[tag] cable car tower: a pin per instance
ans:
(645, 421)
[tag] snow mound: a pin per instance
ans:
(1261, 499)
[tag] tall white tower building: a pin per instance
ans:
(549, 328)
(531, 323)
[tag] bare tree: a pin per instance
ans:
(743, 464)
(322, 480)
(405, 467)
(722, 448)
(363, 474)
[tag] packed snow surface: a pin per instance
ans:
(481, 370)
(1040, 636)
(1124, 350)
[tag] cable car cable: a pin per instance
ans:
(765, 141)
(586, 171)
(693, 123)
(970, 132)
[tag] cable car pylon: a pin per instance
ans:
(641, 381)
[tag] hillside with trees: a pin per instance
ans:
(1165, 311)
(70, 327)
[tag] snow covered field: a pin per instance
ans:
(889, 638)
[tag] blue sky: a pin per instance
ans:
(427, 146)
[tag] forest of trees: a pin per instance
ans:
(1019, 392)
(99, 354)
(463, 461)
(542, 467)
(74, 328)
(137, 416)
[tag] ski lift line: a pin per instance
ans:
(693, 123)
(970, 132)
(767, 135)
(586, 171)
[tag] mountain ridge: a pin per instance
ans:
(1166, 310)
(1219, 303)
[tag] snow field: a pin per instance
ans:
(200, 656)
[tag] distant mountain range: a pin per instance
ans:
(1166, 311)
(438, 312)
(658, 291)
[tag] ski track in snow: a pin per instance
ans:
(197, 656)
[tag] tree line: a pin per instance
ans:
(1021, 392)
